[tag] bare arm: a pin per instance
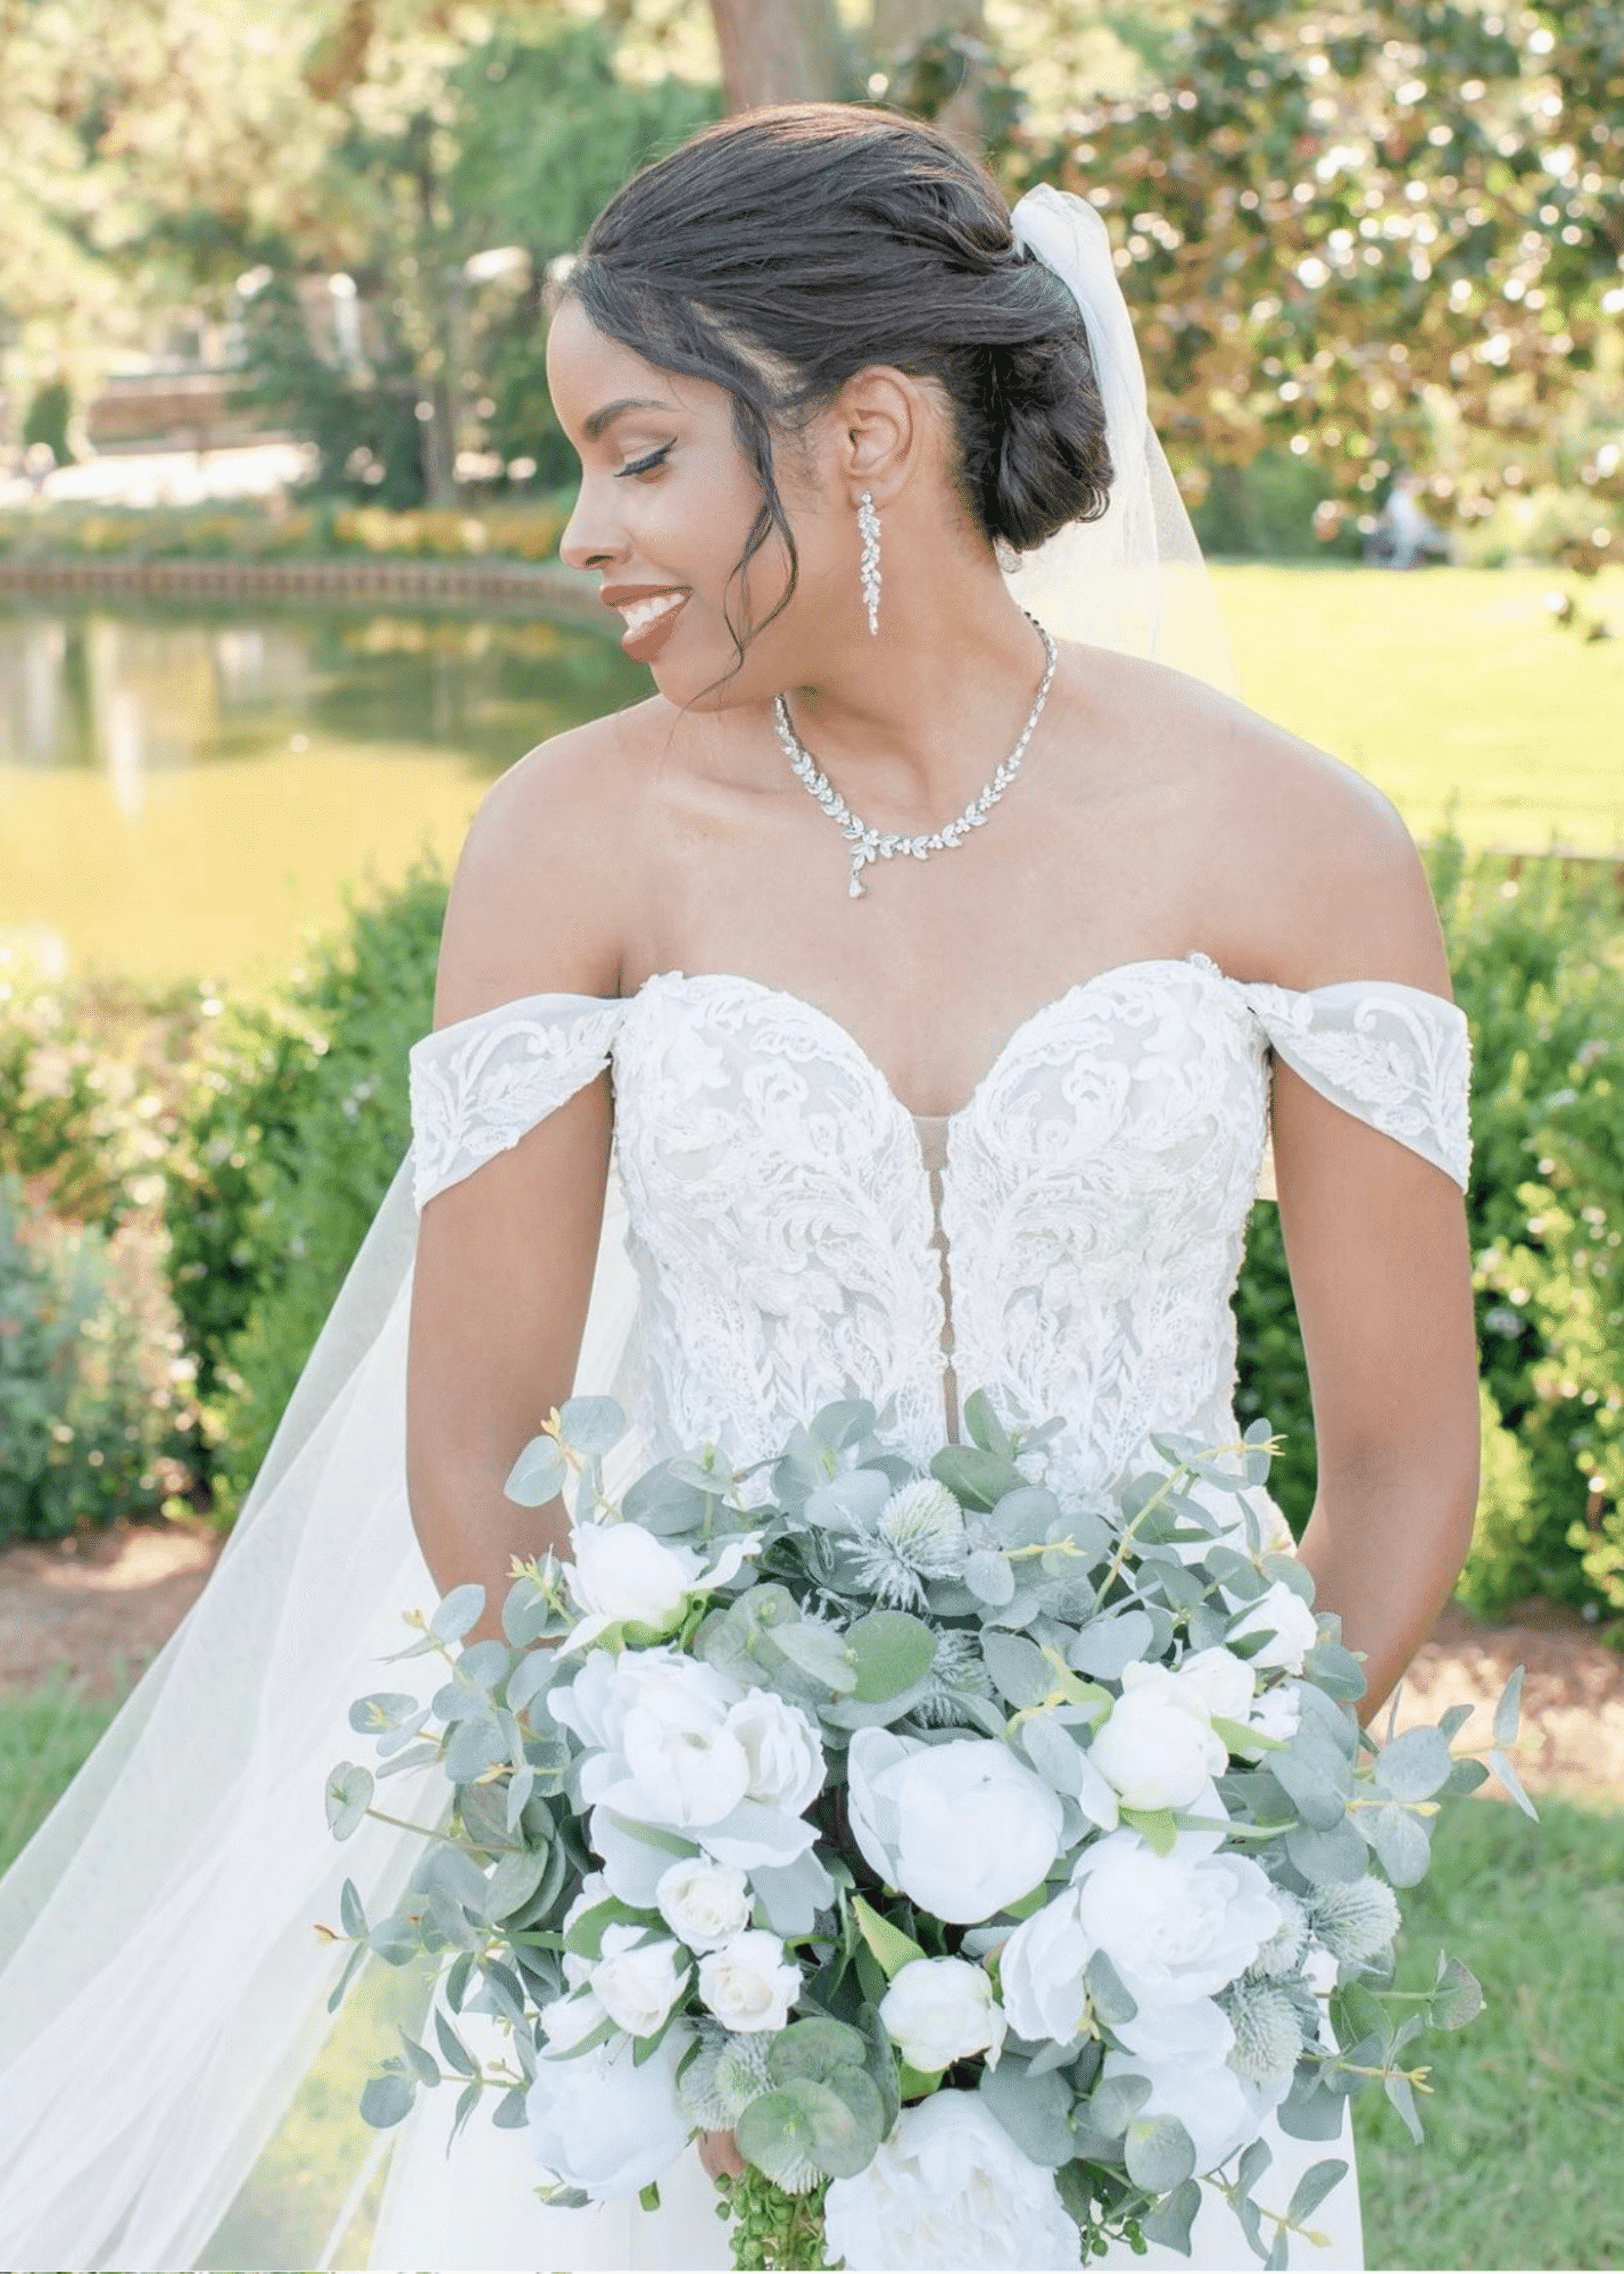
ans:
(505, 1259)
(1380, 1263)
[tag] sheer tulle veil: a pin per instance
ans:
(163, 2030)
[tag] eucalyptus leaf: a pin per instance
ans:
(590, 1425)
(1158, 2152)
(423, 2066)
(384, 1710)
(1105, 1646)
(1169, 2224)
(1401, 1842)
(351, 1912)
(1254, 2163)
(1314, 2186)
(976, 1478)
(1310, 2110)
(986, 1430)
(1026, 1517)
(387, 2100)
(1327, 1857)
(1114, 2102)
(1414, 1766)
(539, 1475)
(894, 1651)
(349, 1797)
(1034, 2110)
(817, 2047)
(990, 1576)
(1508, 1712)
(513, 1882)
(1021, 1673)
(1113, 2001)
(452, 2048)
(820, 1652)
(1457, 1998)
(1501, 1766)
(457, 1612)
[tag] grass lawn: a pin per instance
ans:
(1525, 2166)
(1446, 686)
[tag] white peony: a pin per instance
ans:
(1175, 1927)
(1281, 1613)
(636, 1982)
(623, 1572)
(949, 2188)
(940, 2010)
(1158, 1748)
(749, 1984)
(1224, 1682)
(566, 2021)
(783, 1749)
(703, 1904)
(962, 1829)
(1183, 2050)
(604, 2121)
(1041, 1972)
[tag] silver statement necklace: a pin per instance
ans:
(868, 844)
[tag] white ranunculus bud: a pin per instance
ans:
(783, 1749)
(1268, 2031)
(1281, 1613)
(749, 1984)
(949, 2188)
(703, 1904)
(925, 1526)
(636, 1982)
(1158, 1748)
(963, 1828)
(940, 2010)
(621, 1571)
(1356, 1922)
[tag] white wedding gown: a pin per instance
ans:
(1068, 1242)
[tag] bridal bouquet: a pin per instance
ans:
(991, 1865)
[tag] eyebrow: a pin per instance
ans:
(602, 420)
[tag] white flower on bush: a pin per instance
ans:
(604, 2121)
(784, 1751)
(749, 1984)
(1175, 1927)
(1183, 2050)
(1158, 1748)
(636, 1981)
(665, 1750)
(961, 1828)
(940, 2010)
(623, 1572)
(1281, 1612)
(949, 2188)
(703, 1904)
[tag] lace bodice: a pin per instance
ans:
(1092, 1196)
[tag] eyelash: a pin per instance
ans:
(647, 465)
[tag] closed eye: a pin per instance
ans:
(647, 465)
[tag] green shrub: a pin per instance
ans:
(1536, 948)
(96, 1419)
(297, 1122)
(78, 1123)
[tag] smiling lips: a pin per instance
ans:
(649, 614)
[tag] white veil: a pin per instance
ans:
(162, 1994)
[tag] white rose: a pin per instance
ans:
(1281, 1613)
(748, 1984)
(940, 2010)
(1279, 1713)
(1175, 1927)
(636, 1982)
(566, 2020)
(1158, 1748)
(1041, 1972)
(949, 2188)
(703, 1904)
(604, 2121)
(784, 1751)
(962, 1829)
(1223, 1683)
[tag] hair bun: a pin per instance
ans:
(1050, 465)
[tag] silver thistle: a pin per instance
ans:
(919, 1536)
(1282, 1955)
(1356, 1922)
(1268, 2030)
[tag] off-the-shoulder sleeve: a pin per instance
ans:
(1391, 1055)
(478, 1086)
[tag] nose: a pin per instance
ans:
(589, 541)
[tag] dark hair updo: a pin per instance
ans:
(780, 252)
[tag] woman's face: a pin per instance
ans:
(665, 505)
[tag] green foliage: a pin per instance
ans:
(1538, 962)
(770, 2229)
(46, 1735)
(78, 1123)
(297, 1122)
(95, 1417)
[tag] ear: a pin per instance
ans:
(883, 427)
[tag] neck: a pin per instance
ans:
(914, 722)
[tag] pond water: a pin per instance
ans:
(189, 790)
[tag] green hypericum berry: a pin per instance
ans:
(1356, 1922)
(1268, 2031)
(1282, 1954)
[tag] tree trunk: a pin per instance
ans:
(777, 50)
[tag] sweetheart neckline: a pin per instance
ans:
(1196, 962)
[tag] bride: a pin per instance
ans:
(902, 1105)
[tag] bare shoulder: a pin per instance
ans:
(549, 867)
(1304, 871)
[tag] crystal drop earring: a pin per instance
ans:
(868, 568)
